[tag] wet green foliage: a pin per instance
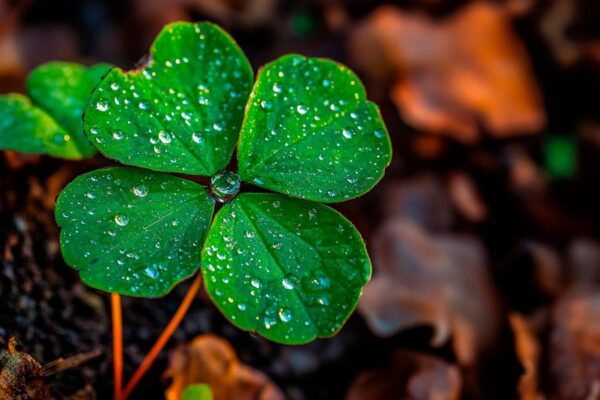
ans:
(285, 267)
(50, 122)
(179, 113)
(289, 269)
(311, 133)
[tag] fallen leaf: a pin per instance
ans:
(437, 280)
(21, 376)
(465, 197)
(455, 74)
(558, 17)
(528, 353)
(211, 360)
(583, 257)
(422, 199)
(574, 355)
(409, 375)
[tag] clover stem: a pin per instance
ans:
(117, 324)
(164, 337)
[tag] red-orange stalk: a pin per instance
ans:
(117, 325)
(164, 337)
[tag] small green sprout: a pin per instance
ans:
(279, 264)
(199, 391)
(49, 121)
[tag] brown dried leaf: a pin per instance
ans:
(436, 280)
(465, 197)
(575, 347)
(528, 353)
(211, 360)
(422, 200)
(584, 259)
(21, 376)
(454, 74)
(409, 375)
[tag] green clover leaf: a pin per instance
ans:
(51, 122)
(311, 133)
(288, 268)
(291, 270)
(182, 111)
(132, 231)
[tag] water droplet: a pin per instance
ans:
(117, 135)
(225, 185)
(323, 300)
(379, 133)
(102, 105)
(114, 86)
(326, 83)
(289, 282)
(266, 105)
(121, 219)
(249, 234)
(197, 137)
(143, 105)
(90, 195)
(217, 127)
(277, 87)
(164, 137)
(151, 271)
(302, 109)
(348, 133)
(241, 307)
(256, 283)
(285, 314)
(269, 321)
(140, 191)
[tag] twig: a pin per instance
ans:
(63, 364)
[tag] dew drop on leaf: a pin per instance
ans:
(102, 105)
(302, 109)
(289, 282)
(151, 271)
(121, 219)
(140, 191)
(285, 315)
(164, 137)
(256, 283)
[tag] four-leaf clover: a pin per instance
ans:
(280, 264)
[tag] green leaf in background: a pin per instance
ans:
(182, 111)
(289, 269)
(28, 129)
(560, 153)
(310, 132)
(200, 391)
(62, 90)
(131, 231)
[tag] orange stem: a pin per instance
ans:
(117, 321)
(164, 337)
